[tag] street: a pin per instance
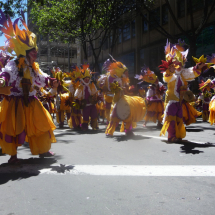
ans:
(98, 175)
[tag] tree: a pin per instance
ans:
(207, 7)
(13, 8)
(86, 20)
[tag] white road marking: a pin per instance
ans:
(139, 170)
(114, 170)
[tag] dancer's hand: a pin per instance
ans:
(201, 65)
(55, 84)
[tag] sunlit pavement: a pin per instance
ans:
(95, 174)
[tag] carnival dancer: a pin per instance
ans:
(113, 74)
(22, 116)
(62, 95)
(86, 96)
(154, 95)
(76, 116)
(128, 109)
(176, 87)
(205, 97)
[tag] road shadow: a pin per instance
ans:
(194, 130)
(200, 127)
(120, 138)
(30, 168)
(188, 147)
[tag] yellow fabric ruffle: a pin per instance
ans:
(63, 98)
(189, 111)
(35, 120)
(212, 112)
(108, 99)
(179, 128)
(112, 126)
(156, 107)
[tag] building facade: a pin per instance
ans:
(55, 53)
(140, 43)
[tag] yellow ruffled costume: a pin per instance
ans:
(34, 120)
(189, 113)
(137, 112)
(173, 95)
(212, 111)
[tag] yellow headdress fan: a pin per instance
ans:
(202, 59)
(75, 75)
(85, 71)
(147, 75)
(115, 68)
(18, 40)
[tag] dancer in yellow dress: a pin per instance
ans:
(154, 96)
(22, 115)
(176, 77)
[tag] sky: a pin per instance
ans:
(2, 38)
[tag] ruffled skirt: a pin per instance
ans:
(19, 123)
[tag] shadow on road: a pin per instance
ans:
(120, 138)
(26, 169)
(200, 127)
(194, 129)
(189, 146)
(29, 168)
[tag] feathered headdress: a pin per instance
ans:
(176, 52)
(85, 71)
(18, 40)
(165, 65)
(205, 85)
(146, 75)
(115, 68)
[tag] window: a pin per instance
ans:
(165, 11)
(154, 18)
(181, 8)
(145, 23)
(126, 35)
(133, 28)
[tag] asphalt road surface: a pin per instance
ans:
(96, 175)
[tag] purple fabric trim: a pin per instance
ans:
(195, 69)
(175, 109)
(46, 106)
(87, 95)
(111, 79)
(6, 77)
(179, 84)
(205, 107)
(207, 99)
(108, 105)
(21, 138)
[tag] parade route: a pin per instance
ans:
(120, 175)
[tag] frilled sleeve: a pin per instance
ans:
(190, 73)
(168, 78)
(71, 89)
(9, 73)
(79, 93)
(41, 79)
(93, 90)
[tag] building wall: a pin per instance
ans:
(147, 46)
(55, 53)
